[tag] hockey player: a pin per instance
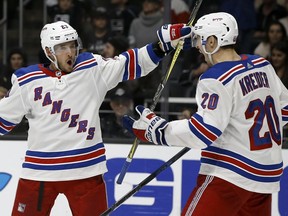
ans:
(242, 107)
(61, 101)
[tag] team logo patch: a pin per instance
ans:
(21, 207)
(58, 73)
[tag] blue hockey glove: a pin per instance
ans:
(170, 34)
(148, 128)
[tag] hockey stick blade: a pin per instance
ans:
(158, 93)
(146, 181)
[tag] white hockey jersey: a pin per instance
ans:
(242, 107)
(64, 137)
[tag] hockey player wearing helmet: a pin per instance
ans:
(213, 31)
(61, 101)
(60, 42)
(242, 107)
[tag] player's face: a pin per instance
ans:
(66, 55)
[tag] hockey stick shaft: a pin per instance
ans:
(128, 161)
(158, 94)
(146, 180)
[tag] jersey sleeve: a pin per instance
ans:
(130, 65)
(208, 123)
(12, 108)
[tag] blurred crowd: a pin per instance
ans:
(112, 27)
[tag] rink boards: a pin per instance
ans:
(164, 195)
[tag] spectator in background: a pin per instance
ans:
(115, 46)
(69, 11)
(268, 11)
(96, 36)
(15, 60)
(143, 28)
(121, 15)
(279, 60)
(121, 103)
(275, 32)
(179, 11)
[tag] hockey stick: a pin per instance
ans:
(146, 180)
(158, 94)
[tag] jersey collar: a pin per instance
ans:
(52, 73)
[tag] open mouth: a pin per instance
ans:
(70, 62)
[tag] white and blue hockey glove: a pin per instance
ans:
(148, 128)
(170, 34)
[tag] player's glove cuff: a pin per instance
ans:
(169, 35)
(149, 127)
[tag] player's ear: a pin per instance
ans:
(212, 42)
(48, 51)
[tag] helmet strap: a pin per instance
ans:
(209, 54)
(56, 62)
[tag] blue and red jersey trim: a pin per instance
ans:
(63, 160)
(242, 165)
(5, 126)
(284, 112)
(28, 74)
(132, 67)
(224, 72)
(205, 132)
(85, 60)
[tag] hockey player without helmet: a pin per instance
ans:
(57, 33)
(222, 25)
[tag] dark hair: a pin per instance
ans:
(120, 44)
(17, 51)
(281, 46)
(120, 93)
(274, 22)
(8, 70)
